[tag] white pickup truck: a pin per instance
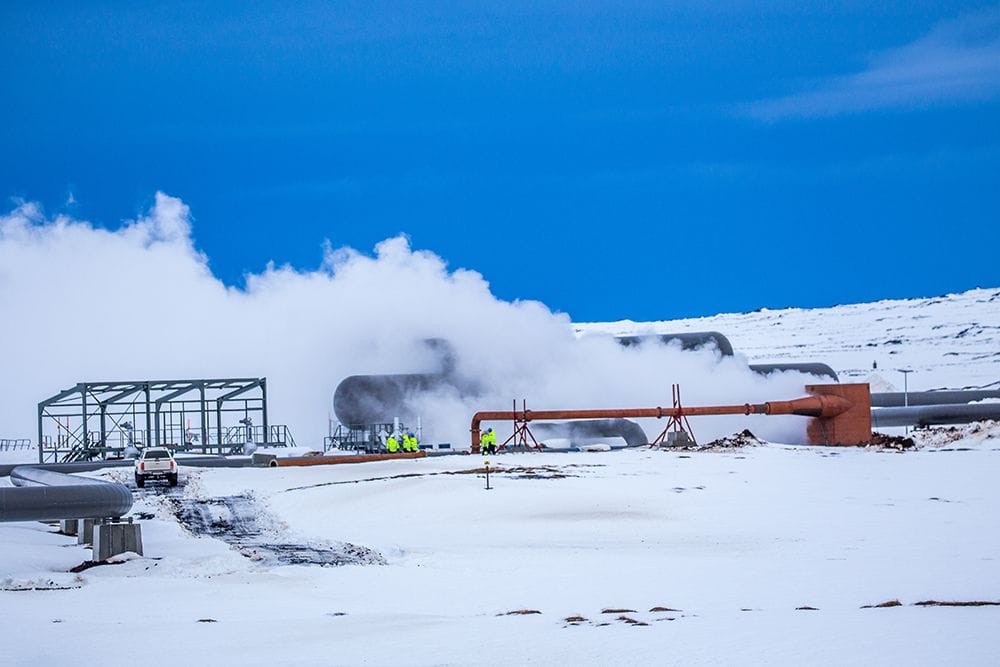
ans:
(155, 463)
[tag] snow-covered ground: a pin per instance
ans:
(735, 542)
(757, 555)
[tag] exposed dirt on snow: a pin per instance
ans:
(744, 438)
(530, 472)
(942, 436)
(242, 523)
(973, 603)
(894, 442)
(883, 605)
(13, 584)
(515, 472)
(631, 621)
(87, 564)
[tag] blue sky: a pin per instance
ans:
(613, 160)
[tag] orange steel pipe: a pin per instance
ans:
(810, 406)
(352, 458)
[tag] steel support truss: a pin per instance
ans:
(102, 419)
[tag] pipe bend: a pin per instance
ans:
(41, 495)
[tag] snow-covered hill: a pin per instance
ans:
(949, 341)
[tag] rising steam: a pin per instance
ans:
(140, 302)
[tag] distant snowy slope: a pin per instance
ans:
(949, 341)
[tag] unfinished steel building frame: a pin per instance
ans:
(102, 419)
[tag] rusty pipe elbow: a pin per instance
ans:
(812, 406)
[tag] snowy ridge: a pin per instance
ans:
(950, 341)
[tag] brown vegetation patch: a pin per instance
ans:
(971, 603)
(807, 608)
(630, 621)
(575, 619)
(664, 609)
(535, 472)
(883, 605)
(618, 611)
(518, 472)
(521, 612)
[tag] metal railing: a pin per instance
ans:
(278, 435)
(368, 438)
(69, 447)
(11, 444)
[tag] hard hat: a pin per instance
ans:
(410, 434)
(490, 430)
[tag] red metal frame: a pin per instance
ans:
(521, 432)
(677, 421)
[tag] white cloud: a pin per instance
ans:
(83, 303)
(957, 62)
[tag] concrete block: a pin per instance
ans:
(85, 531)
(113, 537)
(68, 526)
(679, 439)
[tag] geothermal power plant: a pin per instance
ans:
(223, 421)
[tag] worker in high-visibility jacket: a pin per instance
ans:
(410, 443)
(488, 442)
(392, 444)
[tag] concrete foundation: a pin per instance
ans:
(68, 526)
(115, 536)
(85, 531)
(679, 439)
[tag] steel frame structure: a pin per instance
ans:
(98, 419)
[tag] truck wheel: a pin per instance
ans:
(172, 479)
(140, 481)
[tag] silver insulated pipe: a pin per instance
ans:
(42, 495)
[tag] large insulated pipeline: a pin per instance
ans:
(371, 399)
(626, 429)
(899, 399)
(811, 406)
(201, 461)
(822, 370)
(697, 339)
(42, 495)
(688, 341)
(929, 415)
(46, 491)
(360, 400)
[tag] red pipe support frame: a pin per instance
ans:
(828, 405)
